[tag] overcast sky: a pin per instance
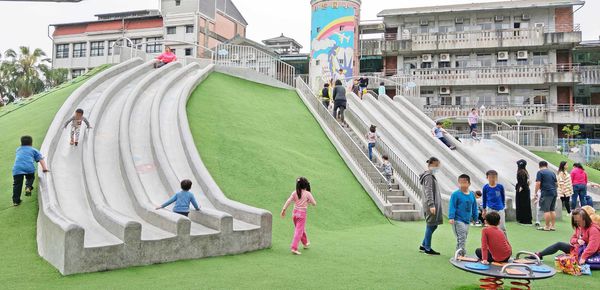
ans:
(26, 23)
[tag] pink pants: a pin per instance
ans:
(299, 231)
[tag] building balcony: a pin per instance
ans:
(590, 75)
(552, 114)
(502, 75)
(394, 44)
(531, 113)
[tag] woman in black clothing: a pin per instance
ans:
(523, 199)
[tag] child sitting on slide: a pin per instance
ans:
(182, 199)
(494, 244)
(76, 122)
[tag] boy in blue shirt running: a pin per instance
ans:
(24, 168)
(462, 211)
(182, 199)
(494, 198)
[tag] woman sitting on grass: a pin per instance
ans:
(587, 235)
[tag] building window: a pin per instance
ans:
(97, 48)
(502, 62)
(172, 30)
(446, 101)
(189, 29)
(136, 43)
(188, 51)
(484, 60)
(62, 51)
(77, 72)
(79, 49)
(443, 64)
(152, 46)
(177, 2)
(522, 61)
(318, 29)
(540, 58)
(462, 61)
(458, 101)
(425, 65)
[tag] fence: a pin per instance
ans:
(581, 150)
(410, 178)
(530, 136)
(252, 58)
(358, 156)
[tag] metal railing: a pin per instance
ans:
(494, 112)
(358, 156)
(251, 58)
(530, 136)
(404, 86)
(410, 179)
(584, 150)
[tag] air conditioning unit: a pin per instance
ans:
(503, 90)
(444, 90)
(499, 18)
(539, 25)
(424, 22)
(445, 57)
(503, 55)
(426, 58)
(522, 54)
(235, 57)
(459, 20)
(251, 56)
(525, 17)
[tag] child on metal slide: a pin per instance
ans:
(76, 126)
(302, 198)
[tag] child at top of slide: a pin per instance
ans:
(166, 57)
(462, 211)
(76, 122)
(494, 198)
(301, 198)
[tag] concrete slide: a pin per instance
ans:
(97, 203)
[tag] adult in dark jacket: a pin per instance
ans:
(432, 204)
(339, 101)
(523, 196)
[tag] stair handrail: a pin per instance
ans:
(360, 158)
(409, 177)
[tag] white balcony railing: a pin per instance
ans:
(497, 112)
(590, 75)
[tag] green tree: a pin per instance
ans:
(571, 132)
(54, 76)
(21, 71)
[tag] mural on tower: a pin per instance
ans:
(333, 40)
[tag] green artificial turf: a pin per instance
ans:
(557, 158)
(256, 140)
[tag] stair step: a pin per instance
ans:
(407, 215)
(398, 199)
(403, 206)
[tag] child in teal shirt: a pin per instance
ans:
(462, 211)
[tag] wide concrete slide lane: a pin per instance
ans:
(256, 219)
(101, 152)
(67, 230)
(142, 179)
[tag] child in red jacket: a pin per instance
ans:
(494, 244)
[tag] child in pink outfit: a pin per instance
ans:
(166, 57)
(301, 198)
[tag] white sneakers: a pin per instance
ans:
(296, 252)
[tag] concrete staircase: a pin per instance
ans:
(402, 208)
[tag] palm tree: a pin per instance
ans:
(54, 76)
(23, 71)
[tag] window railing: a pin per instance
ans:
(410, 179)
(358, 156)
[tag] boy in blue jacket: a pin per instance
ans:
(182, 199)
(462, 211)
(24, 168)
(494, 198)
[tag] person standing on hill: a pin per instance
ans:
(565, 186)
(579, 179)
(339, 102)
(325, 96)
(523, 196)
(301, 198)
(432, 204)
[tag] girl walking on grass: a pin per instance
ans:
(302, 198)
